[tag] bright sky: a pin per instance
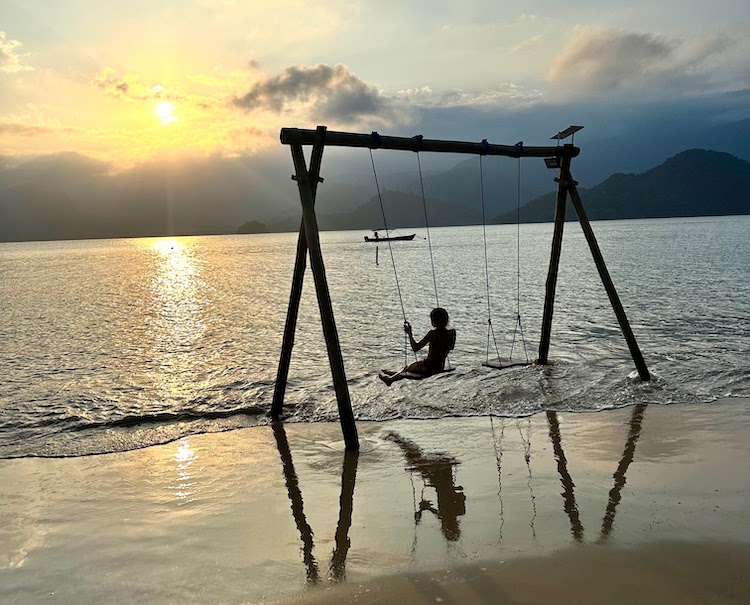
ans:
(128, 81)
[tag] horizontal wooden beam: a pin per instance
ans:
(300, 136)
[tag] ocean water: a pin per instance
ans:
(113, 345)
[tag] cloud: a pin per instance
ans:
(129, 87)
(31, 123)
(611, 60)
(506, 94)
(10, 59)
(26, 130)
(327, 92)
(533, 43)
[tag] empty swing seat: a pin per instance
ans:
(501, 363)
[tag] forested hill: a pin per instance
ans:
(696, 182)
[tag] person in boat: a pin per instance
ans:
(441, 341)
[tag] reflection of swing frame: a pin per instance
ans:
(337, 570)
(437, 471)
(309, 240)
(570, 506)
(615, 494)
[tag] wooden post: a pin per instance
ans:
(567, 180)
(307, 195)
(554, 263)
(300, 264)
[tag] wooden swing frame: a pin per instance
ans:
(308, 241)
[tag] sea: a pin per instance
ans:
(114, 345)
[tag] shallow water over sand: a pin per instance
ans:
(276, 512)
(120, 344)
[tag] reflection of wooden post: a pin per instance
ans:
(554, 262)
(346, 507)
(295, 497)
(615, 494)
(296, 293)
(569, 497)
(567, 180)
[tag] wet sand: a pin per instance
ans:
(686, 573)
(642, 504)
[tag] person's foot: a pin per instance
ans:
(386, 379)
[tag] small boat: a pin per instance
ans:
(389, 238)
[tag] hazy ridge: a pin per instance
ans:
(69, 196)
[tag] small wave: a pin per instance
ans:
(171, 417)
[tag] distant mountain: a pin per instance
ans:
(402, 210)
(252, 227)
(696, 182)
(462, 184)
(69, 196)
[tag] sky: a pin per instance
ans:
(128, 83)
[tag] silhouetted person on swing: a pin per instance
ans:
(441, 341)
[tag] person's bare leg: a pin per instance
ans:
(389, 379)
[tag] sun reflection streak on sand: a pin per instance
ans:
(185, 483)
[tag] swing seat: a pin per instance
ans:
(501, 363)
(415, 376)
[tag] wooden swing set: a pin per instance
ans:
(557, 157)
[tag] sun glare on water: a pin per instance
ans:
(165, 111)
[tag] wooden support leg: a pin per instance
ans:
(554, 262)
(290, 327)
(604, 275)
(300, 265)
(330, 333)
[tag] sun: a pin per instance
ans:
(165, 112)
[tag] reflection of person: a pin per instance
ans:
(437, 471)
(441, 341)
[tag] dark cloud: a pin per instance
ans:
(330, 92)
(608, 60)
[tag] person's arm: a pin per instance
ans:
(416, 346)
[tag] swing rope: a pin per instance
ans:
(429, 240)
(519, 326)
(393, 259)
(427, 225)
(490, 328)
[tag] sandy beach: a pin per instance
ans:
(643, 504)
